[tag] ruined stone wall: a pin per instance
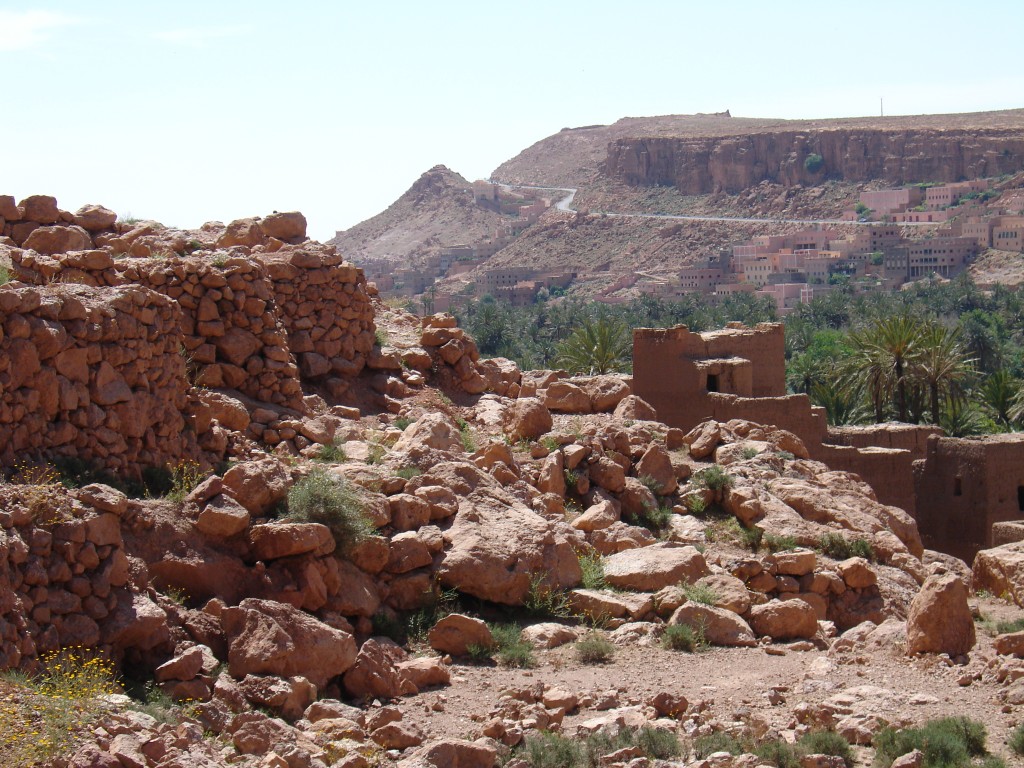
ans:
(92, 373)
(326, 310)
(731, 164)
(252, 324)
(964, 486)
(61, 580)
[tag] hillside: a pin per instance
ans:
(436, 211)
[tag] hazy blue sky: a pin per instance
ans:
(189, 111)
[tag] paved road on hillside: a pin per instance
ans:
(565, 203)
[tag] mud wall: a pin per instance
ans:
(964, 486)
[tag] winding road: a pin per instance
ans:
(565, 203)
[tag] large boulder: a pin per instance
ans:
(434, 430)
(455, 634)
(720, 627)
(940, 620)
(289, 226)
(784, 620)
(257, 485)
(453, 753)
(498, 549)
(50, 240)
(528, 419)
(648, 569)
(375, 673)
(1000, 570)
(269, 638)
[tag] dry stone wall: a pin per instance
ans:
(250, 323)
(64, 575)
(91, 373)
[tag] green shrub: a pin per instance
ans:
(949, 742)
(594, 648)
(1016, 741)
(543, 601)
(826, 743)
(380, 336)
(654, 519)
(696, 504)
(592, 566)
(509, 647)
(572, 479)
(408, 473)
(701, 593)
(775, 543)
(658, 744)
(1004, 627)
(650, 484)
(778, 753)
(716, 742)
(332, 453)
(683, 637)
(750, 452)
(714, 478)
(403, 422)
(319, 498)
(478, 653)
(552, 750)
(814, 162)
(837, 547)
(752, 537)
(5, 274)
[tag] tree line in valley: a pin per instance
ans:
(936, 352)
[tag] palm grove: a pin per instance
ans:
(945, 353)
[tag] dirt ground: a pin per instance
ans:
(737, 684)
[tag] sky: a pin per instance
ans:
(186, 112)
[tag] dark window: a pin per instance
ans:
(712, 382)
(958, 488)
(1020, 498)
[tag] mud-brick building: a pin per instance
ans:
(737, 372)
(964, 486)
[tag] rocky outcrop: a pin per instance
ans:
(701, 165)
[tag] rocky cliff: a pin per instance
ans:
(703, 164)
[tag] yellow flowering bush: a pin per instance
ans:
(41, 715)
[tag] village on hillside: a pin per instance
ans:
(898, 235)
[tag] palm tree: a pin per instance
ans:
(883, 358)
(1001, 392)
(942, 364)
(842, 401)
(597, 346)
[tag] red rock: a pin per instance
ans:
(784, 620)
(290, 226)
(650, 568)
(51, 240)
(940, 620)
(455, 633)
(222, 517)
(528, 419)
(265, 637)
(454, 753)
(41, 209)
(375, 674)
(94, 217)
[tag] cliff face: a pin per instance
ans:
(699, 165)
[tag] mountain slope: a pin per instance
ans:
(436, 211)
